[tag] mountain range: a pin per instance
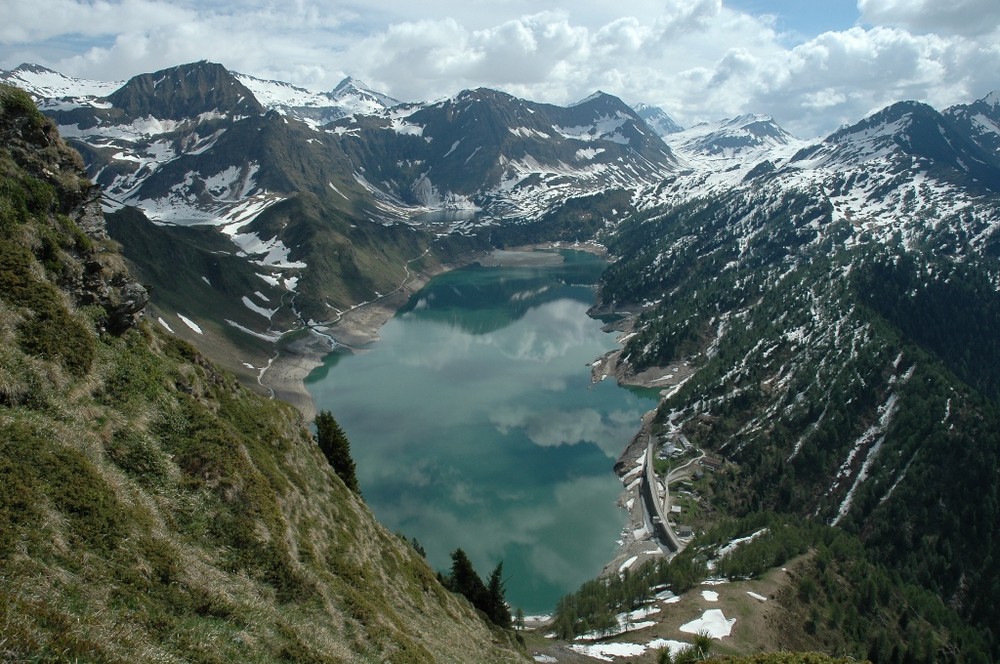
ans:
(837, 297)
(327, 213)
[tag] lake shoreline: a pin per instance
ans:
(286, 375)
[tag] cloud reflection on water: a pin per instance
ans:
(477, 427)
(569, 427)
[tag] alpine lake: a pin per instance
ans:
(474, 423)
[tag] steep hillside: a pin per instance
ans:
(981, 122)
(150, 507)
(844, 358)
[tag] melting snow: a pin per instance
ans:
(603, 129)
(274, 336)
(627, 564)
(887, 410)
(712, 622)
(606, 652)
(626, 621)
(190, 323)
(401, 126)
(588, 153)
(266, 313)
(733, 545)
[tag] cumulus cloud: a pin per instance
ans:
(698, 59)
(964, 17)
(839, 77)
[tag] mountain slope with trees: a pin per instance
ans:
(847, 370)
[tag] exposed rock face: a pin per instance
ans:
(122, 298)
(77, 238)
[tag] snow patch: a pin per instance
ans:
(190, 323)
(736, 543)
(588, 153)
(252, 306)
(713, 623)
(273, 337)
(627, 564)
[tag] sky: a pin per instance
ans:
(812, 64)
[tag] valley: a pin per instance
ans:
(817, 317)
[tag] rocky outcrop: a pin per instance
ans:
(73, 241)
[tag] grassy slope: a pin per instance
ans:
(153, 509)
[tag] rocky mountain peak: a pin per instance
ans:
(357, 97)
(186, 91)
(657, 119)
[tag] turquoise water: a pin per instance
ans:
(474, 424)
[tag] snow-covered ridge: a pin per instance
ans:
(604, 128)
(43, 83)
(350, 97)
(277, 94)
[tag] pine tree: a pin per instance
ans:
(465, 581)
(496, 607)
(336, 448)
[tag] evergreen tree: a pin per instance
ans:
(488, 598)
(496, 607)
(465, 581)
(336, 448)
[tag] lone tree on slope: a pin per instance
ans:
(336, 448)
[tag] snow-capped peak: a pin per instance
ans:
(597, 95)
(356, 95)
(657, 119)
(732, 136)
(351, 84)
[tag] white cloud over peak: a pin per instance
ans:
(698, 59)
